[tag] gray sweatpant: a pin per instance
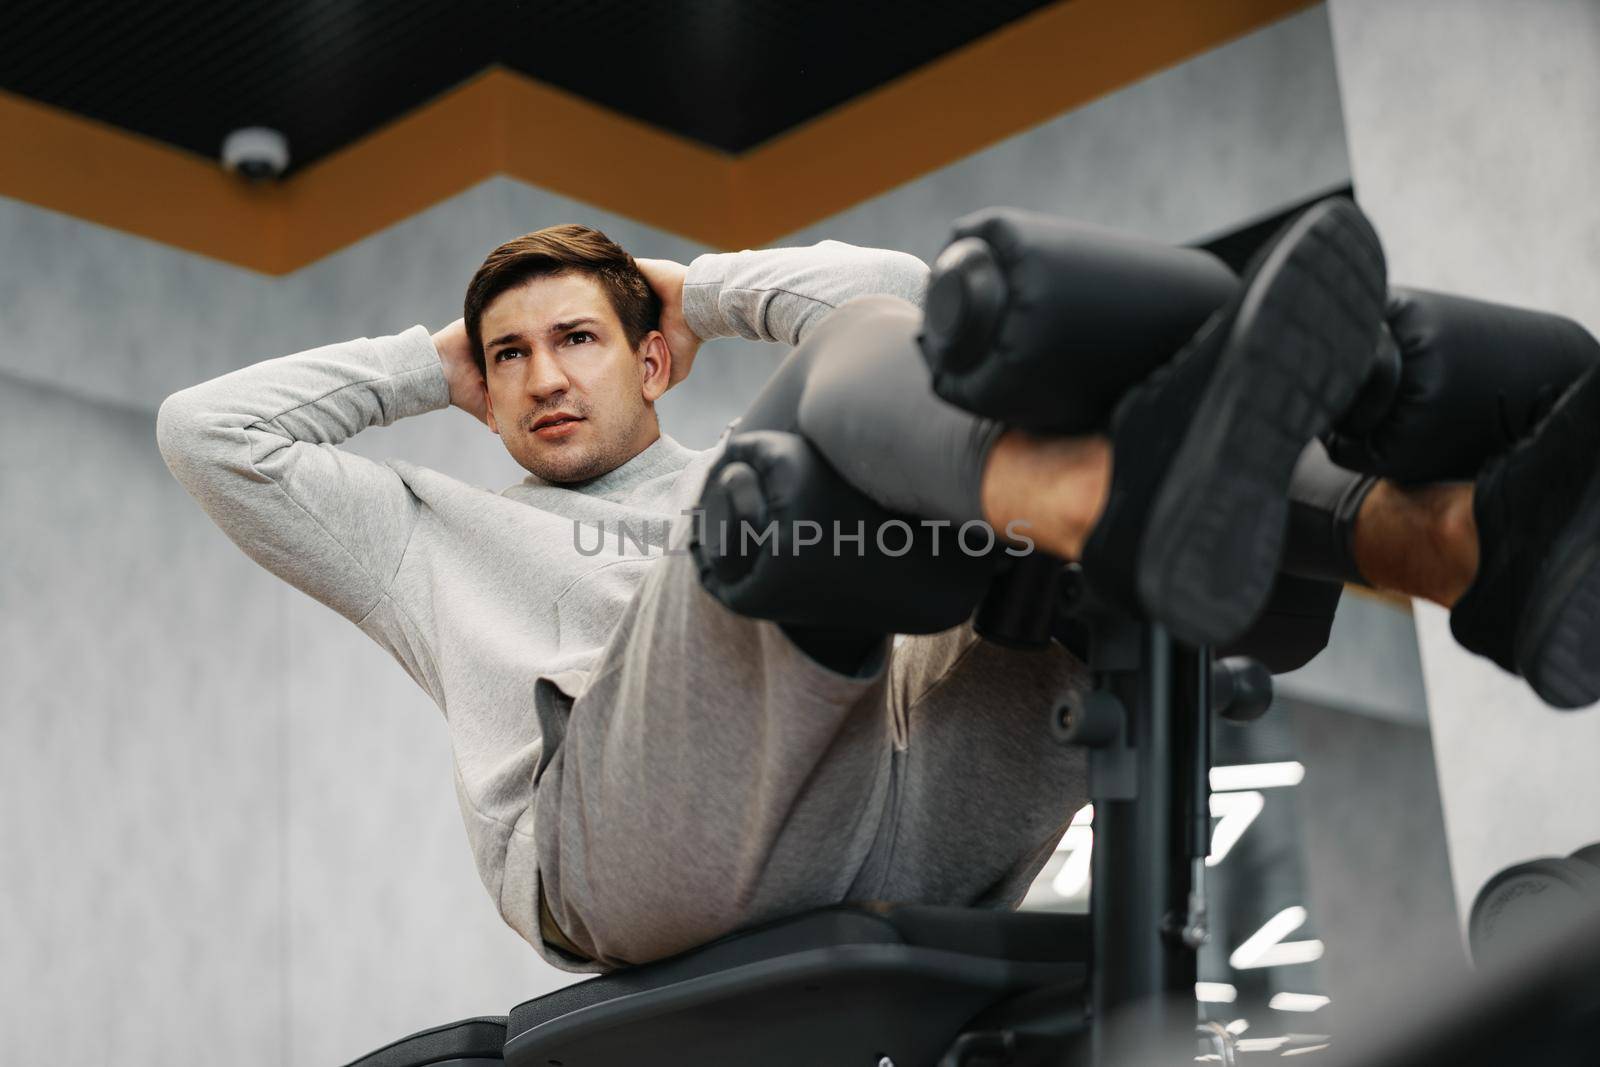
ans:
(713, 776)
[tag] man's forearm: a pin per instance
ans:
(779, 294)
(322, 396)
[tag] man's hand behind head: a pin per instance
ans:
(666, 278)
(467, 390)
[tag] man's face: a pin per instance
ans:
(567, 394)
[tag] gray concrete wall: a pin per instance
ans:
(143, 754)
(223, 803)
(1376, 868)
(1472, 134)
(1370, 666)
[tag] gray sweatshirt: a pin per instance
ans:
(477, 594)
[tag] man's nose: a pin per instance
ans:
(543, 376)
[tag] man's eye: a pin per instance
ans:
(580, 337)
(505, 353)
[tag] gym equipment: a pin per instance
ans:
(1461, 381)
(834, 557)
(1455, 380)
(1005, 338)
(1204, 452)
(1527, 902)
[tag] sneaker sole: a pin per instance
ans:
(1556, 649)
(1299, 350)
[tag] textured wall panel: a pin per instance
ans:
(142, 760)
(1471, 129)
(1377, 868)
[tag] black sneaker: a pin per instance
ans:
(1534, 606)
(1203, 450)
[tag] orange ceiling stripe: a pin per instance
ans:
(400, 170)
(500, 122)
(1059, 58)
(96, 172)
(503, 123)
(568, 145)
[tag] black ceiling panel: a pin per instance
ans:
(728, 73)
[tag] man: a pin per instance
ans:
(639, 769)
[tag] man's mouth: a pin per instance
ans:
(557, 425)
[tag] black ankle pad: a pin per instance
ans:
(1487, 617)
(1324, 500)
(1044, 323)
(1474, 378)
(782, 536)
(1294, 626)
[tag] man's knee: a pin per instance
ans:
(869, 407)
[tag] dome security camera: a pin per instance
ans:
(256, 152)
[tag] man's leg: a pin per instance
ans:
(1420, 541)
(712, 775)
(1053, 489)
(1513, 554)
(983, 790)
(1510, 553)
(842, 647)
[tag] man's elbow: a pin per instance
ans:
(179, 429)
(900, 274)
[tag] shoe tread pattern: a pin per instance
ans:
(1557, 652)
(1298, 352)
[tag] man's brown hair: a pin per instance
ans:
(569, 249)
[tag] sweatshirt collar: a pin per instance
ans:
(662, 456)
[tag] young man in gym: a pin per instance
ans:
(640, 770)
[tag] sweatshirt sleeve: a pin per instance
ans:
(258, 449)
(779, 294)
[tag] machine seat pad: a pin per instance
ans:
(873, 977)
(468, 1042)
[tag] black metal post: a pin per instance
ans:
(1145, 786)
(1193, 704)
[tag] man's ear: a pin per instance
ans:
(656, 360)
(488, 403)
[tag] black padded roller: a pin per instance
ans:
(1531, 902)
(1044, 323)
(767, 544)
(1462, 381)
